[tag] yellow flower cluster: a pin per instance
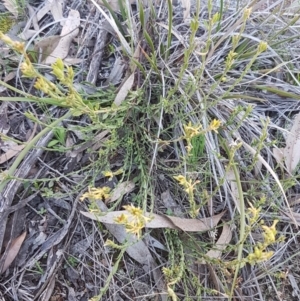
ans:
(188, 185)
(191, 131)
(260, 253)
(135, 221)
(109, 174)
(96, 194)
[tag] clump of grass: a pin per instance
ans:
(198, 114)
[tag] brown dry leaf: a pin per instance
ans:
(11, 6)
(120, 190)
(68, 33)
(123, 92)
(163, 221)
(46, 46)
(13, 251)
(11, 153)
(221, 244)
(292, 149)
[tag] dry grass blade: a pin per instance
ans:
(11, 6)
(292, 149)
(13, 251)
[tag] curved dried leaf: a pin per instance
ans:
(292, 149)
(120, 190)
(11, 153)
(68, 33)
(13, 251)
(221, 244)
(46, 46)
(163, 221)
(124, 90)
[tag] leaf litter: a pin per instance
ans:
(163, 221)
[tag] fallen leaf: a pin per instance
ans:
(292, 149)
(57, 11)
(69, 31)
(221, 244)
(46, 46)
(123, 92)
(120, 190)
(163, 221)
(11, 6)
(11, 153)
(13, 251)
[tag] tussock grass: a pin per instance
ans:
(231, 77)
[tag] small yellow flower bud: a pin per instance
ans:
(263, 46)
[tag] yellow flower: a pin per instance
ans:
(188, 185)
(270, 233)
(191, 131)
(27, 69)
(96, 193)
(214, 125)
(110, 174)
(122, 219)
(181, 180)
(135, 227)
(135, 211)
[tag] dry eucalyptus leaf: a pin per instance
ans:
(292, 149)
(69, 31)
(221, 244)
(120, 190)
(11, 6)
(123, 92)
(57, 10)
(46, 46)
(11, 153)
(13, 251)
(163, 221)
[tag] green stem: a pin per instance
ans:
(27, 148)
